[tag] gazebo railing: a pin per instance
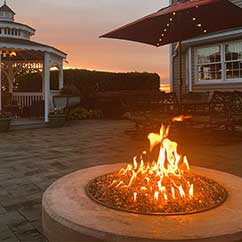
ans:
(26, 99)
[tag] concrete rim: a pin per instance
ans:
(67, 204)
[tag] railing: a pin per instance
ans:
(26, 99)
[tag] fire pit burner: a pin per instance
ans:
(209, 195)
(158, 182)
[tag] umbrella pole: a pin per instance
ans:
(180, 73)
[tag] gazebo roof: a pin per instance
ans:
(28, 45)
(6, 8)
(16, 23)
(16, 37)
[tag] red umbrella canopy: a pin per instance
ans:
(180, 21)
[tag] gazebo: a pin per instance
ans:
(18, 53)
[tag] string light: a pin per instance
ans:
(199, 25)
(171, 19)
(13, 54)
(9, 54)
(174, 13)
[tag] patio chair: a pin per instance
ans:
(219, 109)
(149, 112)
(214, 112)
(235, 123)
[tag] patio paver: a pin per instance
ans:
(30, 160)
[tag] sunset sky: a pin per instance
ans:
(74, 27)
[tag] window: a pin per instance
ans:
(219, 63)
(233, 60)
(209, 63)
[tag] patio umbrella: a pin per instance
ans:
(180, 21)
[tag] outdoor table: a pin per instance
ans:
(195, 107)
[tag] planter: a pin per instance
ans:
(4, 124)
(57, 120)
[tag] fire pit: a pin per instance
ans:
(165, 186)
(157, 198)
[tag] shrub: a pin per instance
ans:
(79, 113)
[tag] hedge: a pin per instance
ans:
(98, 80)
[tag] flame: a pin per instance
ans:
(163, 179)
(135, 196)
(181, 118)
(156, 195)
(191, 191)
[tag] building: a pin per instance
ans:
(19, 54)
(210, 62)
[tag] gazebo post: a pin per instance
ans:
(61, 76)
(47, 66)
(0, 80)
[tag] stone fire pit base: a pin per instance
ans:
(69, 215)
